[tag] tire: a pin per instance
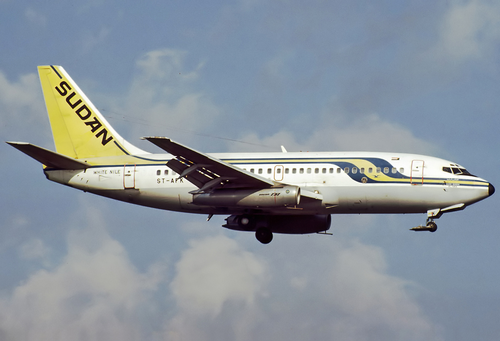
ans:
(264, 235)
(432, 226)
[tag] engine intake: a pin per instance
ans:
(268, 197)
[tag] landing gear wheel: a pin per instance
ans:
(264, 235)
(432, 226)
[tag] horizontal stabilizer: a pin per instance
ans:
(49, 158)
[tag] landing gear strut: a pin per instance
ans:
(264, 235)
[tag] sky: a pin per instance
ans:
(251, 75)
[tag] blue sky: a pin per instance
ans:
(407, 76)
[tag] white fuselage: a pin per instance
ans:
(331, 182)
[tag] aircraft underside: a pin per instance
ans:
(309, 216)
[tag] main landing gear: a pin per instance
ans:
(264, 235)
(248, 223)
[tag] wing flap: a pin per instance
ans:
(49, 158)
(207, 172)
(191, 172)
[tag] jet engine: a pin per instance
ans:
(268, 197)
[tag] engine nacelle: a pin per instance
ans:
(291, 224)
(268, 197)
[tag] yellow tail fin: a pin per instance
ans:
(79, 129)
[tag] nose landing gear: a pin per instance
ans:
(430, 226)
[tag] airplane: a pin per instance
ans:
(266, 193)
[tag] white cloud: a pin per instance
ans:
(342, 290)
(94, 294)
(370, 298)
(336, 132)
(35, 17)
(35, 249)
(164, 94)
(166, 66)
(91, 39)
(251, 142)
(368, 133)
(24, 93)
(22, 109)
(470, 30)
(298, 287)
(326, 289)
(216, 270)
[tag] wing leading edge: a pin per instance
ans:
(207, 172)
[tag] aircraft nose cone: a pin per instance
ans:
(491, 189)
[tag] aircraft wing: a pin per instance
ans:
(207, 172)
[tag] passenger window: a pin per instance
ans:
(158, 172)
(308, 170)
(252, 170)
(401, 170)
(269, 171)
(354, 170)
(301, 171)
(346, 170)
(362, 171)
(166, 171)
(339, 170)
(386, 170)
(378, 170)
(370, 170)
(316, 170)
(294, 170)
(286, 170)
(331, 170)
(278, 170)
(394, 170)
(260, 170)
(324, 170)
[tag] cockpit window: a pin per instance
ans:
(457, 171)
(465, 172)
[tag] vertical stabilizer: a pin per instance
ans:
(79, 129)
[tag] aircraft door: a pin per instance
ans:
(278, 173)
(129, 176)
(417, 172)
